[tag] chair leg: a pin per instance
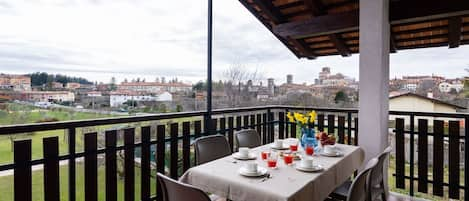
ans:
(383, 194)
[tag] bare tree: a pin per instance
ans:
(236, 76)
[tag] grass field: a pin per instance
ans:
(6, 191)
(20, 114)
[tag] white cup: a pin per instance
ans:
(330, 149)
(243, 151)
(278, 143)
(251, 167)
(306, 162)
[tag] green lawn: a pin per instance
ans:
(6, 191)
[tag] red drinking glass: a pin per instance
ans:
(265, 155)
(309, 150)
(272, 160)
(288, 159)
(271, 163)
(294, 147)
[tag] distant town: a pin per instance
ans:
(161, 95)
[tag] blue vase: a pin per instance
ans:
(308, 138)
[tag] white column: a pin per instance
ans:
(374, 76)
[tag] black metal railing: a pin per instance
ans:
(166, 139)
(438, 140)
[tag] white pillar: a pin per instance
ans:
(374, 76)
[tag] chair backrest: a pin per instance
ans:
(247, 138)
(359, 189)
(376, 175)
(210, 148)
(176, 191)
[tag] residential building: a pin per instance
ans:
(446, 87)
(410, 86)
(57, 85)
(417, 103)
(155, 87)
(328, 79)
(41, 96)
(73, 85)
(15, 82)
(118, 98)
(94, 94)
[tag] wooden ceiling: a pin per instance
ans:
(313, 28)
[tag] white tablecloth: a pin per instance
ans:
(287, 184)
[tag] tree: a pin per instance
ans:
(340, 96)
(131, 103)
(199, 86)
(179, 108)
(163, 108)
(236, 75)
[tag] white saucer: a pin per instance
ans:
(332, 154)
(238, 156)
(315, 168)
(279, 148)
(260, 172)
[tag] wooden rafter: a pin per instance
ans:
(316, 6)
(268, 26)
(339, 4)
(290, 5)
(303, 47)
(274, 13)
(270, 10)
(454, 31)
(401, 12)
(340, 45)
(319, 25)
(392, 44)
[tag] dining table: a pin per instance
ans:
(284, 183)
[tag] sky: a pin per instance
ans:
(100, 39)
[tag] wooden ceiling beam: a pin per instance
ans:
(339, 4)
(316, 7)
(340, 45)
(431, 37)
(392, 44)
(270, 10)
(303, 47)
(290, 5)
(401, 12)
(454, 32)
(320, 25)
(268, 26)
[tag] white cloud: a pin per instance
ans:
(98, 39)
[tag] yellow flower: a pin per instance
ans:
(290, 117)
(304, 120)
(312, 116)
(298, 116)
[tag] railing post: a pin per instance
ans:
(349, 128)
(411, 169)
(466, 157)
(270, 118)
(71, 164)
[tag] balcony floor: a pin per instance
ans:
(398, 197)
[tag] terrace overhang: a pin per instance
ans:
(313, 28)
